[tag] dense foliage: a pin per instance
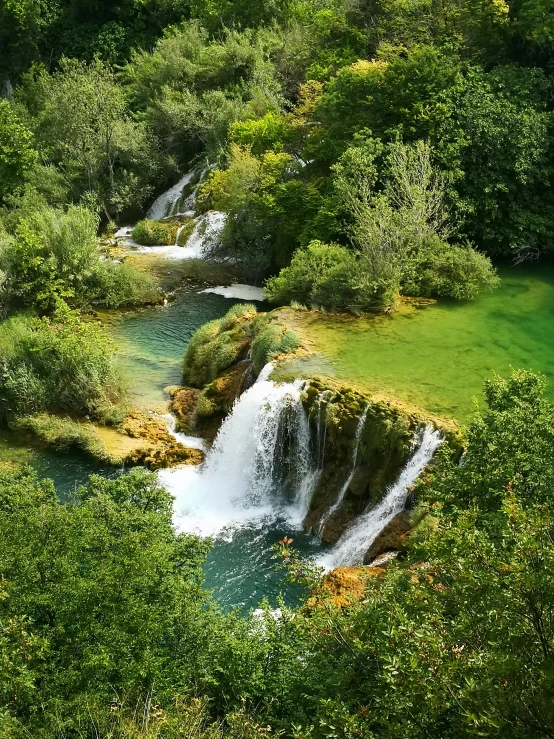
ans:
(284, 98)
(57, 365)
(361, 151)
(50, 254)
(107, 632)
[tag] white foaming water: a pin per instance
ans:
(237, 291)
(355, 450)
(164, 205)
(207, 228)
(362, 532)
(192, 442)
(263, 443)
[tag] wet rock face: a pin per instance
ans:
(347, 486)
(183, 406)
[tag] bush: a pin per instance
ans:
(155, 233)
(216, 346)
(49, 254)
(320, 274)
(457, 272)
(59, 365)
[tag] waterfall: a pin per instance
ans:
(164, 206)
(355, 451)
(206, 230)
(171, 203)
(362, 532)
(321, 427)
(262, 447)
(192, 442)
(179, 231)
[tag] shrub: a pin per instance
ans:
(155, 233)
(47, 254)
(457, 272)
(319, 274)
(216, 346)
(58, 365)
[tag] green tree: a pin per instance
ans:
(17, 152)
(98, 147)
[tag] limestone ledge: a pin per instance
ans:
(141, 439)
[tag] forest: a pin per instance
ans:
(364, 152)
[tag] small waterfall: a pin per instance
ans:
(179, 230)
(165, 205)
(355, 451)
(262, 446)
(358, 537)
(321, 428)
(192, 442)
(206, 230)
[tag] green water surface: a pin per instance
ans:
(438, 357)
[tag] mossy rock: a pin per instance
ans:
(183, 406)
(185, 232)
(217, 346)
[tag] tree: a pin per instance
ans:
(17, 153)
(98, 145)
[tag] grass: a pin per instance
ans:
(217, 345)
(63, 434)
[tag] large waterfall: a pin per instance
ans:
(259, 468)
(362, 532)
(263, 468)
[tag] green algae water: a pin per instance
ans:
(437, 357)
(152, 342)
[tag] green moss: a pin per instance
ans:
(186, 232)
(64, 433)
(217, 345)
(270, 339)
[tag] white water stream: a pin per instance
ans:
(355, 452)
(262, 446)
(362, 532)
(170, 203)
(165, 205)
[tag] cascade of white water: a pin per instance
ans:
(207, 227)
(179, 230)
(263, 442)
(362, 532)
(192, 442)
(355, 451)
(321, 428)
(164, 205)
